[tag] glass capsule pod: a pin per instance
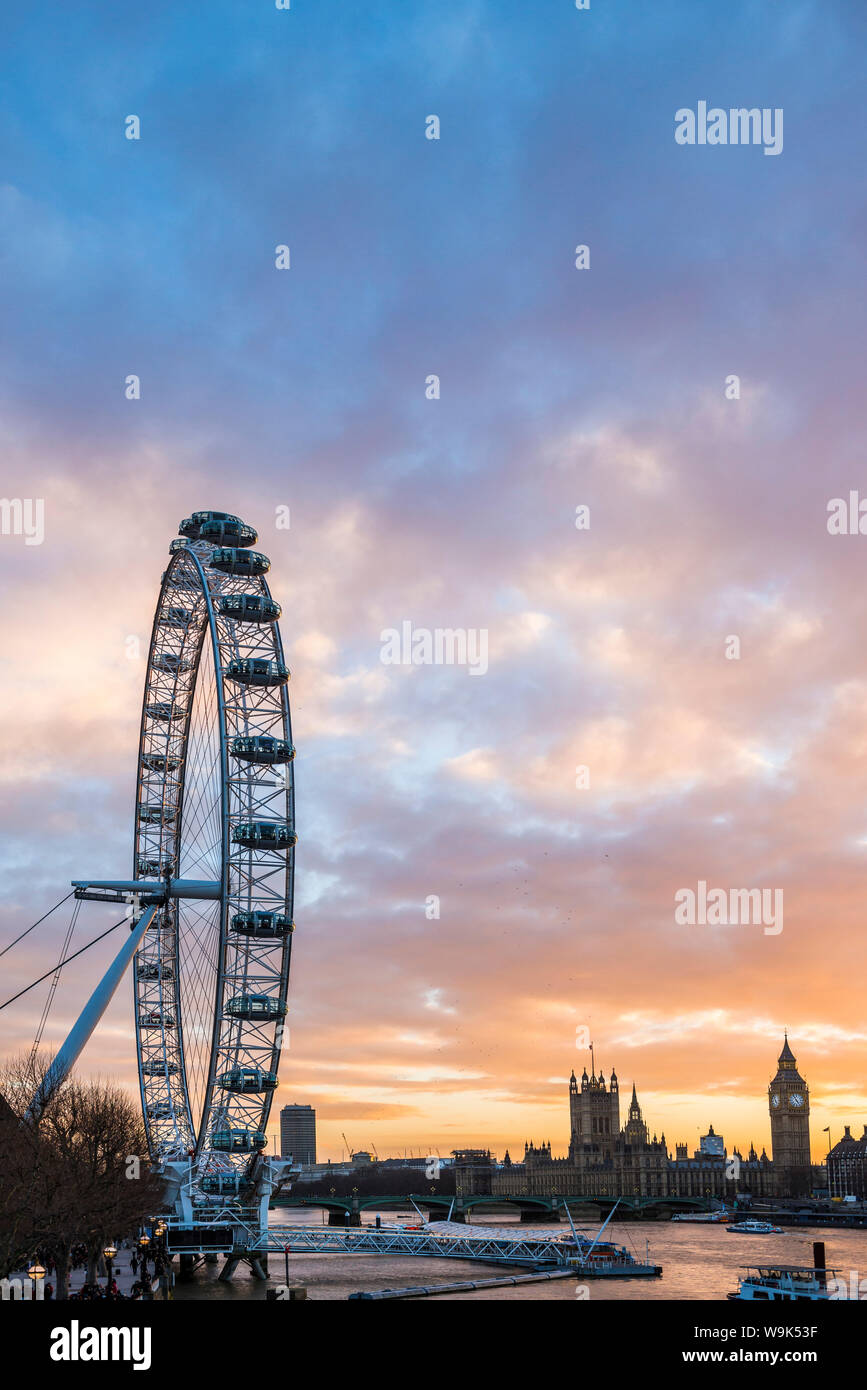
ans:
(262, 748)
(229, 560)
(159, 1068)
(257, 1008)
(248, 1081)
(224, 1184)
(263, 925)
(238, 1141)
(166, 711)
(256, 670)
(158, 762)
(184, 583)
(175, 617)
(154, 1018)
(264, 834)
(155, 814)
(148, 867)
(169, 661)
(152, 970)
(192, 525)
(235, 533)
(250, 608)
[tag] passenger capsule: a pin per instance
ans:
(235, 533)
(175, 617)
(170, 662)
(238, 1141)
(264, 834)
(191, 526)
(248, 1081)
(148, 868)
(224, 1184)
(256, 670)
(155, 1019)
(156, 814)
(221, 528)
(165, 711)
(159, 1069)
(256, 1008)
(250, 608)
(244, 562)
(262, 748)
(152, 970)
(262, 925)
(158, 762)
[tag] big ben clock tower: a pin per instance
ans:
(789, 1105)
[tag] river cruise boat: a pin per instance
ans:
(755, 1228)
(702, 1218)
(788, 1284)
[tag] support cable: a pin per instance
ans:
(59, 966)
(36, 924)
(52, 989)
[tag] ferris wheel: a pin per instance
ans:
(214, 808)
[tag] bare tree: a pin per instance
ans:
(75, 1173)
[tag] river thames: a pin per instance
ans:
(699, 1262)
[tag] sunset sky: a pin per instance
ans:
(264, 388)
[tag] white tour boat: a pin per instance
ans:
(775, 1283)
(756, 1228)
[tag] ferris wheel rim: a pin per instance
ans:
(198, 1128)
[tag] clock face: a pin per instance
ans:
(775, 1100)
(796, 1101)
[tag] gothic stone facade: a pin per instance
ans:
(607, 1160)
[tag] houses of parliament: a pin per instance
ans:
(607, 1159)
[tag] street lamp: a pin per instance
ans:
(35, 1272)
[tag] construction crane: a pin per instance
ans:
(348, 1148)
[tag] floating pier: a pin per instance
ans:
(564, 1251)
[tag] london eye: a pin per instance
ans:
(214, 805)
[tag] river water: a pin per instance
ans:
(699, 1262)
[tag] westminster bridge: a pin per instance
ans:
(347, 1209)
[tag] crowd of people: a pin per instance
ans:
(143, 1281)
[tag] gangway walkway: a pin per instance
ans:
(507, 1247)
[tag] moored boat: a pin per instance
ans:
(703, 1218)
